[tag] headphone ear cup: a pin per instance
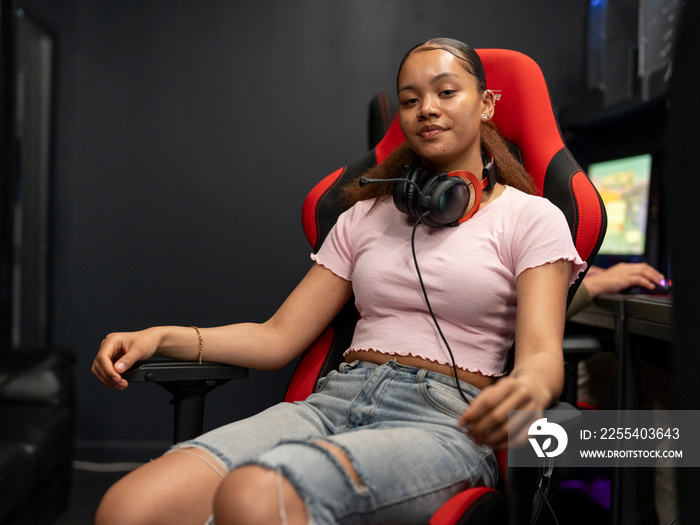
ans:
(449, 198)
(406, 194)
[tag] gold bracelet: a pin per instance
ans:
(200, 346)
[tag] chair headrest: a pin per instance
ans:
(525, 116)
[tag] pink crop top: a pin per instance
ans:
(469, 273)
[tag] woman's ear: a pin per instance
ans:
(488, 105)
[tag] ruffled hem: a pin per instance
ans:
(314, 258)
(436, 361)
(577, 266)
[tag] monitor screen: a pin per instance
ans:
(623, 185)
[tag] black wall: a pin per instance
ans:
(187, 135)
(684, 187)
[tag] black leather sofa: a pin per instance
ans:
(36, 435)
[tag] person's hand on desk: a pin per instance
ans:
(621, 276)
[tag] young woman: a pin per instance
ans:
(389, 436)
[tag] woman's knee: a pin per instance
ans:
(255, 494)
(122, 504)
(175, 488)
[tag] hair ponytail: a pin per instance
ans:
(509, 171)
(392, 167)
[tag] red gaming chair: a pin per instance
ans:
(525, 116)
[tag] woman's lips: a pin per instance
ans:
(428, 132)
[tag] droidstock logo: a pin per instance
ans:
(544, 429)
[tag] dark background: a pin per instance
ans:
(186, 136)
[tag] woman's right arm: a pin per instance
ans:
(263, 346)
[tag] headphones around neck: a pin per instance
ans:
(441, 199)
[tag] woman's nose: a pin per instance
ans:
(429, 107)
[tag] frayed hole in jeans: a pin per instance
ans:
(340, 455)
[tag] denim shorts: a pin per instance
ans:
(398, 427)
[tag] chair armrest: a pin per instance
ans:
(564, 414)
(581, 344)
(183, 373)
(189, 383)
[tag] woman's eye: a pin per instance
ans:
(409, 101)
(448, 92)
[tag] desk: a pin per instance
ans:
(634, 321)
(630, 317)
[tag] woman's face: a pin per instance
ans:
(440, 111)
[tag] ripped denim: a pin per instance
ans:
(396, 424)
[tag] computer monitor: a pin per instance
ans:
(624, 185)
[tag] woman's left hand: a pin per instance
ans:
(486, 419)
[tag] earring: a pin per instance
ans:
(485, 116)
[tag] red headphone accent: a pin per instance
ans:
(479, 186)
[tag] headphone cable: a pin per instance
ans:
(545, 499)
(430, 308)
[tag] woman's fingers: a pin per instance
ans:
(116, 355)
(486, 420)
